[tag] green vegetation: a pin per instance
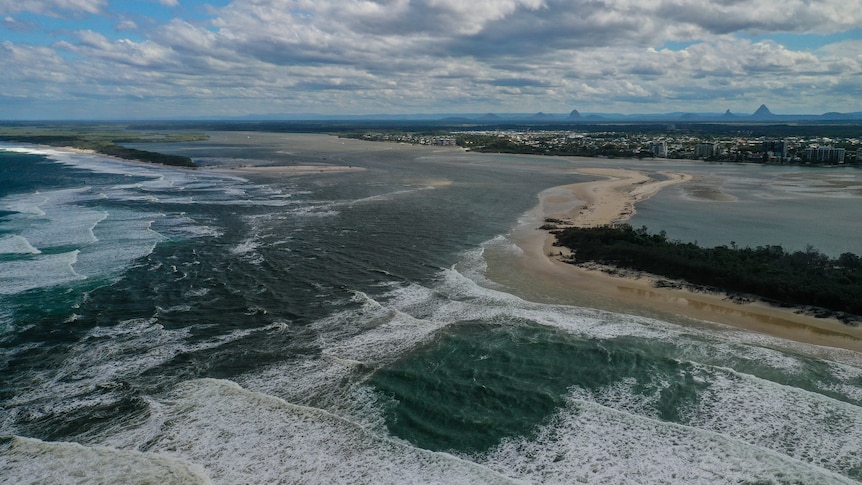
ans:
(106, 142)
(547, 145)
(799, 278)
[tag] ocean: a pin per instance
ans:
(162, 325)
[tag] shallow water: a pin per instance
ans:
(202, 326)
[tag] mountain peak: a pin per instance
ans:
(541, 116)
(574, 115)
(762, 111)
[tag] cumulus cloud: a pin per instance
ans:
(407, 55)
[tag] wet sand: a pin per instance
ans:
(612, 198)
(288, 170)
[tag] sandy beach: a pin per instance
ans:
(613, 198)
(272, 170)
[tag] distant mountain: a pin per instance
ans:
(542, 116)
(833, 116)
(762, 113)
(457, 119)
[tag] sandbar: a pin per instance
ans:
(295, 169)
(612, 199)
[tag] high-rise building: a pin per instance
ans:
(825, 154)
(775, 148)
(704, 150)
(658, 148)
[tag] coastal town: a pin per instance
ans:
(666, 141)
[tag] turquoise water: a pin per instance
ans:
(475, 384)
(218, 326)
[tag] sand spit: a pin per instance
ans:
(288, 170)
(612, 199)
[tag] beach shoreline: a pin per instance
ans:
(612, 198)
(271, 170)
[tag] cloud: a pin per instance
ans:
(125, 25)
(15, 25)
(53, 8)
(484, 55)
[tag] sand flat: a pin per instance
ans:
(295, 169)
(612, 199)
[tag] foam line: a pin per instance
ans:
(39, 272)
(96, 222)
(104, 357)
(15, 244)
(32, 461)
(240, 436)
(590, 443)
(26, 204)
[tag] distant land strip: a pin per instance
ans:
(106, 143)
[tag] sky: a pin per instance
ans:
(155, 59)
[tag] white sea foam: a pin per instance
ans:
(97, 163)
(39, 271)
(239, 436)
(325, 382)
(384, 336)
(353, 344)
(107, 238)
(737, 410)
(598, 445)
(180, 226)
(50, 218)
(803, 425)
(158, 183)
(30, 461)
(248, 246)
(196, 292)
(123, 237)
(589, 443)
(810, 427)
(848, 379)
(369, 337)
(60, 224)
(388, 195)
(16, 244)
(101, 361)
(25, 204)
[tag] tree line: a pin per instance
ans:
(807, 278)
(106, 143)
